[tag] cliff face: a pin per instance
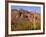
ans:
(20, 14)
(24, 15)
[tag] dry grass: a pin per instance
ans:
(24, 25)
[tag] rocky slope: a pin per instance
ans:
(22, 17)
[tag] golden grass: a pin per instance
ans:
(23, 24)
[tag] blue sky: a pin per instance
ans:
(28, 8)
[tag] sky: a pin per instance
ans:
(28, 8)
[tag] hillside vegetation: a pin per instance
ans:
(25, 20)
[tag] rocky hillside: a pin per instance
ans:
(20, 16)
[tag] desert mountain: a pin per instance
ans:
(20, 14)
(24, 20)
